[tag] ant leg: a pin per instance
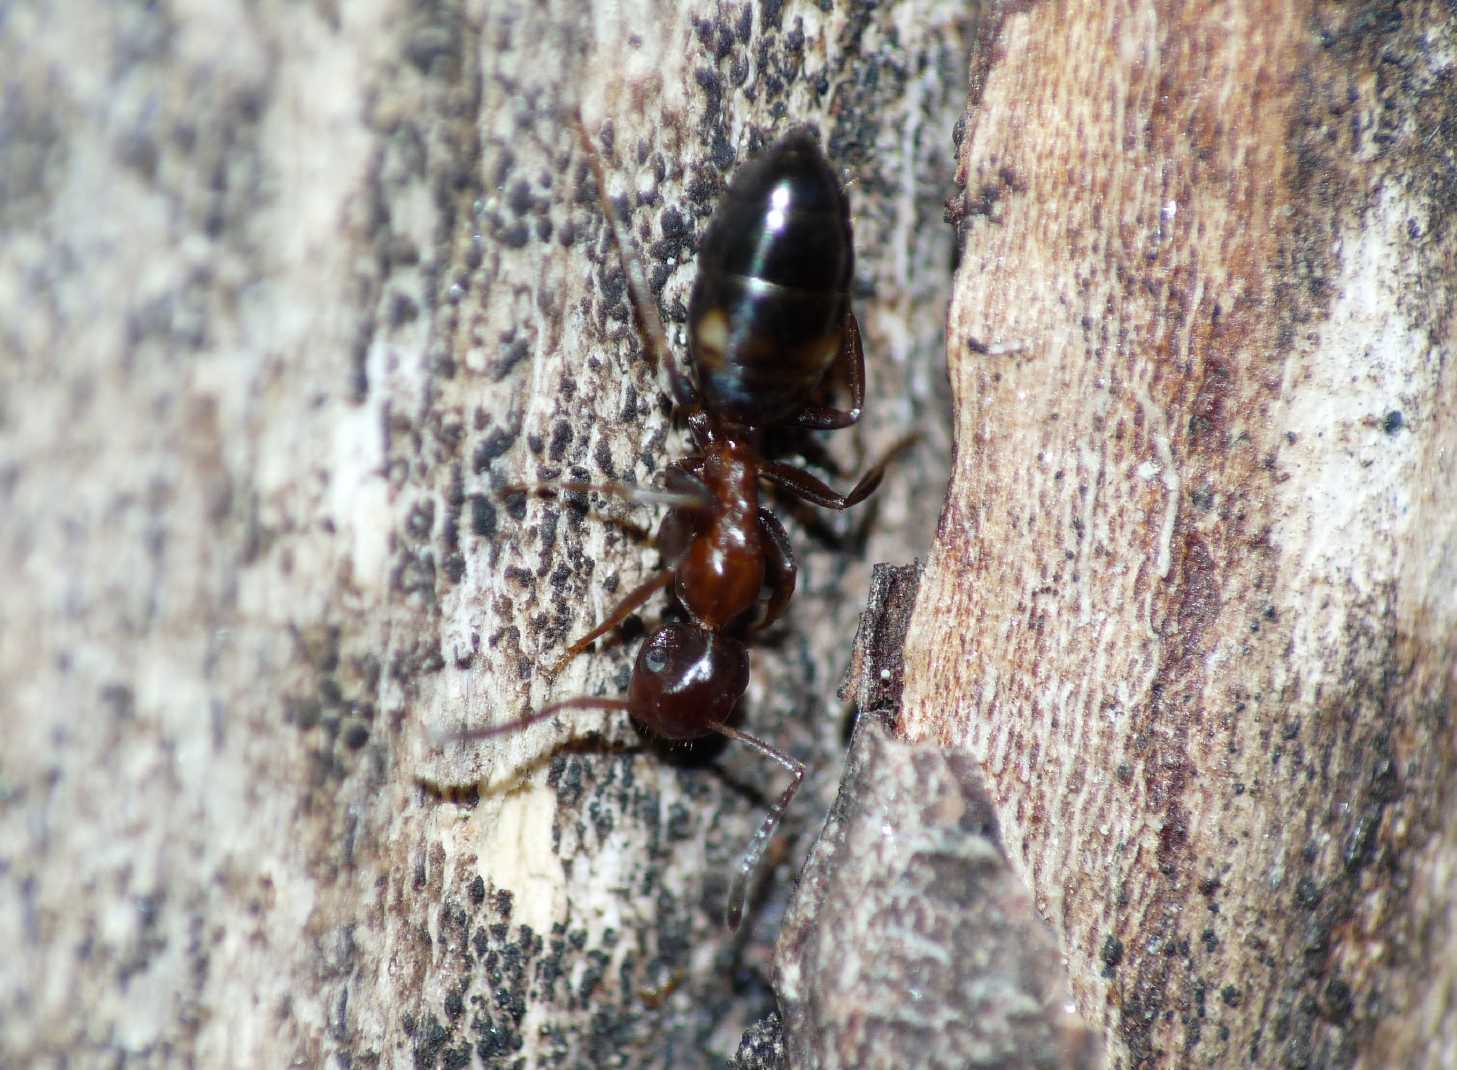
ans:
(637, 287)
(780, 572)
(681, 523)
(685, 475)
(700, 426)
(852, 359)
(807, 488)
(585, 702)
(636, 597)
(654, 998)
(739, 887)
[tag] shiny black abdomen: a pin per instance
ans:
(767, 316)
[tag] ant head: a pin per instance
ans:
(687, 680)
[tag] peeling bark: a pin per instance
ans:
(1191, 604)
(910, 939)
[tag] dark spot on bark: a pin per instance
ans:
(561, 438)
(1361, 840)
(482, 516)
(1112, 954)
(1307, 893)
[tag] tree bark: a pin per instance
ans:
(290, 295)
(1193, 604)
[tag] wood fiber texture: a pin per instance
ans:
(1192, 603)
(910, 935)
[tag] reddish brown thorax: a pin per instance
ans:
(722, 572)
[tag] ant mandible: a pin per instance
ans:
(769, 318)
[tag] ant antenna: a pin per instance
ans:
(637, 286)
(626, 491)
(472, 735)
(739, 887)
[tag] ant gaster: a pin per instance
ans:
(768, 320)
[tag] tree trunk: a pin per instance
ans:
(1193, 600)
(290, 295)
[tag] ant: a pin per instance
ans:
(769, 319)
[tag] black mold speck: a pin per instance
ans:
(478, 890)
(421, 519)
(745, 25)
(356, 736)
(1384, 785)
(1232, 996)
(680, 822)
(602, 455)
(1394, 422)
(121, 700)
(519, 197)
(496, 444)
(561, 438)
(1112, 954)
(1337, 1001)
(454, 1005)
(429, 1041)
(516, 235)
(702, 188)
(304, 713)
(514, 354)
(712, 86)
(1307, 893)
(723, 43)
(613, 288)
(402, 310)
(722, 154)
(566, 777)
(482, 516)
(794, 39)
(673, 226)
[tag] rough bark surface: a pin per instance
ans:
(287, 296)
(910, 938)
(1193, 599)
